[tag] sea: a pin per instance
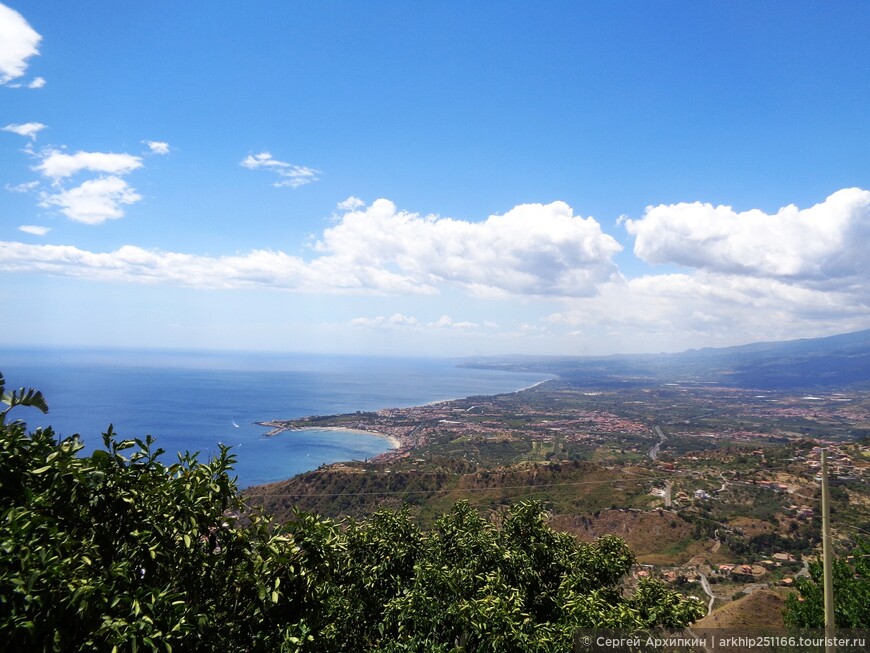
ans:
(195, 400)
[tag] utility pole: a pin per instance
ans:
(826, 553)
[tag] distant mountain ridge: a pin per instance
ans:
(831, 362)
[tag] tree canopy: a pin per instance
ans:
(851, 580)
(118, 550)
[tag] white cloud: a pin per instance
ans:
(27, 129)
(288, 174)
(447, 322)
(350, 204)
(533, 249)
(38, 82)
(34, 229)
(394, 320)
(795, 273)
(134, 264)
(94, 201)
(672, 312)
(22, 188)
(400, 320)
(817, 245)
(58, 165)
(442, 322)
(158, 147)
(538, 250)
(262, 160)
(18, 42)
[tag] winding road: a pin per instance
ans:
(706, 585)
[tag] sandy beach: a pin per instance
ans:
(395, 443)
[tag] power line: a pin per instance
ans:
(458, 490)
(524, 486)
(843, 525)
(463, 490)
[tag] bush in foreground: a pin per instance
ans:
(117, 549)
(851, 582)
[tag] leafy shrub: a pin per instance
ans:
(851, 580)
(118, 549)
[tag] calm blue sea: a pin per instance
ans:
(192, 401)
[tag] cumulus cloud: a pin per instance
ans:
(534, 249)
(288, 174)
(752, 276)
(672, 312)
(350, 204)
(94, 201)
(27, 129)
(395, 320)
(447, 322)
(158, 147)
(542, 251)
(546, 252)
(18, 42)
(531, 250)
(90, 201)
(817, 245)
(57, 165)
(34, 229)
(37, 82)
(400, 320)
(442, 322)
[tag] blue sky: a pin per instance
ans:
(442, 178)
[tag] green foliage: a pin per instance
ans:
(21, 397)
(474, 584)
(117, 550)
(851, 593)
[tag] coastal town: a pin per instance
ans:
(715, 489)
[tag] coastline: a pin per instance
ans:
(484, 396)
(278, 428)
(403, 436)
(220, 388)
(535, 385)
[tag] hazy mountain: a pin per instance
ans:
(831, 362)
